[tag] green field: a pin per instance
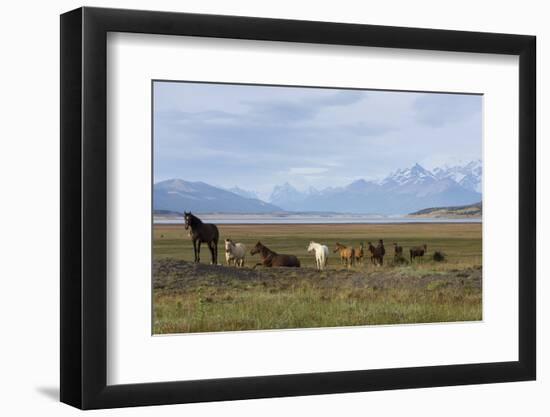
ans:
(208, 298)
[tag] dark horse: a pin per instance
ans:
(271, 258)
(377, 253)
(202, 232)
(397, 250)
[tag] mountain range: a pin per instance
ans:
(402, 191)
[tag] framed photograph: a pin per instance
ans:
(256, 208)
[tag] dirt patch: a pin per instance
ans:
(173, 275)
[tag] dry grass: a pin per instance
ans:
(189, 298)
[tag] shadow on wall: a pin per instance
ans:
(49, 392)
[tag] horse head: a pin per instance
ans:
(257, 248)
(310, 247)
(337, 248)
(228, 244)
(188, 218)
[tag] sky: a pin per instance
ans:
(256, 137)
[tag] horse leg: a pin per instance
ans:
(213, 247)
(212, 252)
(198, 255)
(195, 250)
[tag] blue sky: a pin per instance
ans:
(256, 137)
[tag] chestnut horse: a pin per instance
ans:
(418, 251)
(347, 255)
(271, 258)
(202, 233)
(359, 254)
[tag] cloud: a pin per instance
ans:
(279, 111)
(341, 98)
(256, 136)
(179, 117)
(304, 108)
(307, 170)
(438, 110)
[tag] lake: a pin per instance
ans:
(310, 219)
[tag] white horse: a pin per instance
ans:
(321, 254)
(234, 252)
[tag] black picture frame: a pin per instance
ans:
(84, 207)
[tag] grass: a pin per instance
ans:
(222, 300)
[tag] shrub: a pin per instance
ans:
(400, 260)
(438, 256)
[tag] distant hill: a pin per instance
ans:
(167, 213)
(177, 195)
(471, 210)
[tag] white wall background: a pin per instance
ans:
(29, 172)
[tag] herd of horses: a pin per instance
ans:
(235, 253)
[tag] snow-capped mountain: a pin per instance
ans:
(402, 191)
(243, 193)
(287, 196)
(409, 176)
(469, 175)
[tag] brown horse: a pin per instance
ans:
(377, 253)
(202, 233)
(359, 254)
(418, 251)
(347, 255)
(271, 258)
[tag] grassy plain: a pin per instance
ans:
(207, 298)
